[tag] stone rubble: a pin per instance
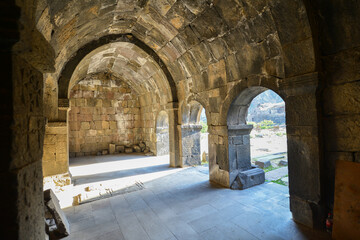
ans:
(56, 220)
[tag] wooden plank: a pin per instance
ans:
(347, 201)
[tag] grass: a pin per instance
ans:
(271, 168)
(279, 181)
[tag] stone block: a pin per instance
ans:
(120, 149)
(283, 163)
(105, 125)
(136, 148)
(248, 178)
(105, 152)
(54, 210)
(111, 148)
(263, 163)
(142, 146)
(238, 140)
(129, 150)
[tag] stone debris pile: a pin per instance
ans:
(137, 148)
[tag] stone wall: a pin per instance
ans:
(162, 141)
(150, 106)
(190, 147)
(250, 43)
(339, 44)
(102, 112)
(56, 149)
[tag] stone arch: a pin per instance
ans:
(256, 84)
(242, 173)
(190, 133)
(302, 137)
(162, 134)
(195, 98)
(70, 66)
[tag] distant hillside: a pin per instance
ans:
(267, 106)
(268, 96)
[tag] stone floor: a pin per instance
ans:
(184, 205)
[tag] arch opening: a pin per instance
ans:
(245, 171)
(194, 136)
(268, 140)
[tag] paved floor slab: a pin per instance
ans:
(183, 204)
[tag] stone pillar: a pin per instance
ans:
(304, 156)
(56, 151)
(242, 174)
(190, 144)
(218, 157)
(174, 139)
(56, 147)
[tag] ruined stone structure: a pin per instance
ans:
(173, 58)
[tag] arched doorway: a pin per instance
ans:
(245, 173)
(268, 141)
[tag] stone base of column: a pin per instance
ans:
(248, 178)
(308, 213)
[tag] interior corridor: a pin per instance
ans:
(176, 203)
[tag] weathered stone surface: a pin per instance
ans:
(263, 163)
(120, 149)
(142, 146)
(248, 178)
(261, 42)
(107, 112)
(105, 152)
(129, 150)
(283, 163)
(191, 145)
(342, 99)
(111, 148)
(136, 148)
(52, 205)
(55, 149)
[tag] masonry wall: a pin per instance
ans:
(339, 43)
(149, 108)
(102, 112)
(56, 149)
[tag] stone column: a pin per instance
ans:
(56, 147)
(302, 127)
(190, 144)
(218, 157)
(242, 174)
(174, 139)
(56, 151)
